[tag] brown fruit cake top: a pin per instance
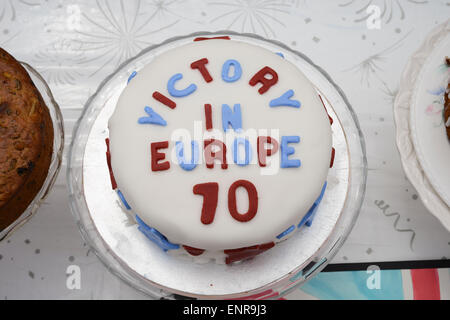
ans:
(24, 127)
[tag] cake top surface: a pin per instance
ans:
(183, 186)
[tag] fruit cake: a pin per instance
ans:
(26, 140)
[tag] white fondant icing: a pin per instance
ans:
(165, 200)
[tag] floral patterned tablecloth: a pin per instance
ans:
(364, 46)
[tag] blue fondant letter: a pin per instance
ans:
(185, 165)
(286, 151)
(226, 71)
(285, 100)
(248, 152)
(179, 93)
(233, 118)
(132, 75)
(155, 236)
(153, 118)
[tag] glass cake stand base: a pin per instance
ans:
(126, 252)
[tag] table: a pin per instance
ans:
(76, 44)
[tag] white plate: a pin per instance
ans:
(427, 123)
(421, 137)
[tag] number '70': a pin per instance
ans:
(210, 193)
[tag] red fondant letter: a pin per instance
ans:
(164, 100)
(208, 117)
(252, 197)
(263, 152)
(234, 255)
(329, 117)
(200, 66)
(206, 38)
(260, 77)
(158, 156)
(193, 251)
(210, 155)
(210, 193)
(108, 161)
(333, 154)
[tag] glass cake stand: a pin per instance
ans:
(58, 145)
(114, 236)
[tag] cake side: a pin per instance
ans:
(26, 140)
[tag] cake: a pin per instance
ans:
(26, 140)
(219, 150)
(447, 104)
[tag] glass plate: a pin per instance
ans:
(58, 145)
(119, 245)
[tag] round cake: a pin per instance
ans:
(26, 140)
(219, 149)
